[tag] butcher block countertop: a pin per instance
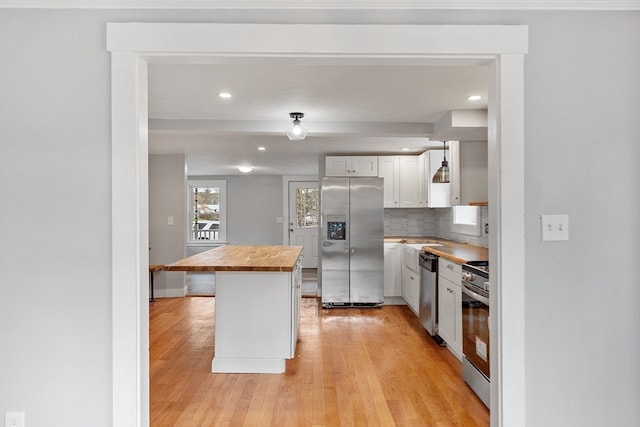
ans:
(241, 258)
(460, 253)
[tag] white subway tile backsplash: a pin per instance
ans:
(428, 222)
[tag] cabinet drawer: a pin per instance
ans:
(450, 270)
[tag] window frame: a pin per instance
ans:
(463, 228)
(222, 211)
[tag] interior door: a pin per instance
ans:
(304, 215)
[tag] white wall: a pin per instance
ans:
(55, 219)
(167, 197)
(582, 107)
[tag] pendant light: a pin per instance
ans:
(442, 176)
(296, 132)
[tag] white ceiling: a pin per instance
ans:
(348, 109)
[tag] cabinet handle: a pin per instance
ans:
(450, 267)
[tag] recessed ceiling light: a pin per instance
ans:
(225, 95)
(405, 149)
(262, 148)
(474, 98)
(245, 169)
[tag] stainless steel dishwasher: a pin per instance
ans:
(428, 308)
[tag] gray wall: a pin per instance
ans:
(582, 121)
(582, 107)
(167, 188)
(253, 204)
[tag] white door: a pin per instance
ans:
(304, 214)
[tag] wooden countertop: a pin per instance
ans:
(241, 258)
(460, 253)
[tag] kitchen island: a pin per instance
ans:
(257, 314)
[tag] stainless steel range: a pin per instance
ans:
(475, 328)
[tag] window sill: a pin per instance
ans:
(207, 243)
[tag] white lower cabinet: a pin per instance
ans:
(411, 276)
(450, 305)
(392, 270)
(411, 288)
(243, 298)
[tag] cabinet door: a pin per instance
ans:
(389, 169)
(408, 181)
(450, 315)
(392, 270)
(337, 166)
(422, 189)
(446, 316)
(296, 297)
(411, 288)
(364, 166)
(456, 348)
(454, 173)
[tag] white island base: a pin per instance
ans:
(256, 320)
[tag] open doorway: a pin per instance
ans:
(502, 48)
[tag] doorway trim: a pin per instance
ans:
(133, 45)
(286, 179)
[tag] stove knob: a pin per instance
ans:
(486, 286)
(467, 277)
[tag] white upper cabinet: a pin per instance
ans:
(409, 182)
(351, 166)
(454, 172)
(389, 169)
(436, 195)
(401, 181)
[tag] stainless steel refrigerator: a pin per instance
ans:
(351, 242)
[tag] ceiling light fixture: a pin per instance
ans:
(296, 132)
(261, 148)
(245, 169)
(225, 95)
(474, 98)
(442, 175)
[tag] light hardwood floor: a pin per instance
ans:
(353, 367)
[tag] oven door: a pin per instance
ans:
(475, 329)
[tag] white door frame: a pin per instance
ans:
(287, 181)
(133, 45)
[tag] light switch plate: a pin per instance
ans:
(554, 227)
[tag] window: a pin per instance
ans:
(466, 220)
(207, 211)
(306, 207)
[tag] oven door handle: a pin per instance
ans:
(475, 296)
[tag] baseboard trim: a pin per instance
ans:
(394, 301)
(170, 293)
